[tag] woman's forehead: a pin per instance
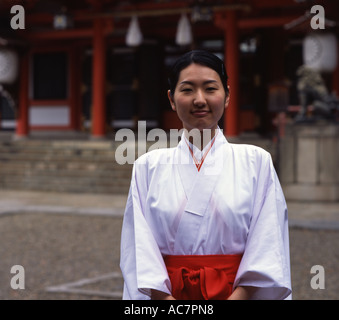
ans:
(196, 72)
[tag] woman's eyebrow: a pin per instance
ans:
(187, 82)
(210, 81)
(192, 83)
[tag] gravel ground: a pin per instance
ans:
(56, 249)
(59, 249)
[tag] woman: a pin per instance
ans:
(207, 219)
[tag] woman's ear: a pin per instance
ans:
(170, 98)
(227, 101)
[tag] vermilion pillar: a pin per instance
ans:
(99, 80)
(232, 67)
(22, 129)
(335, 84)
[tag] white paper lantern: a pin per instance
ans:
(320, 51)
(184, 33)
(134, 36)
(9, 65)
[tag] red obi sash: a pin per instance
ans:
(202, 277)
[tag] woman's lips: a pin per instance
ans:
(200, 113)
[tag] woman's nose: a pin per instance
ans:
(199, 99)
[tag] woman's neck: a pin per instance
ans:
(200, 139)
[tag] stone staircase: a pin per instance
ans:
(77, 165)
(62, 166)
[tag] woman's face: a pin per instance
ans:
(199, 98)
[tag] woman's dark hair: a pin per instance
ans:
(201, 57)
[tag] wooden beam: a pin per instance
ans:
(264, 22)
(160, 12)
(220, 22)
(264, 4)
(66, 34)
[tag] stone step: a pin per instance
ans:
(65, 166)
(69, 187)
(123, 174)
(62, 162)
(81, 145)
(7, 154)
(66, 180)
(50, 150)
(66, 184)
(73, 166)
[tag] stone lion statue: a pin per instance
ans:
(313, 91)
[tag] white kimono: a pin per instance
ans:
(233, 205)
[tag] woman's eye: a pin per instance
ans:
(211, 89)
(186, 90)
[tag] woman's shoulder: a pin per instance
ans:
(248, 150)
(156, 156)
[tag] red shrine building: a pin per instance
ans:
(100, 65)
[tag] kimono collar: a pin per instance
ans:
(199, 157)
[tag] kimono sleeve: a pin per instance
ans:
(141, 262)
(266, 260)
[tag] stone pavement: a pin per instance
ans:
(314, 215)
(69, 245)
(56, 202)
